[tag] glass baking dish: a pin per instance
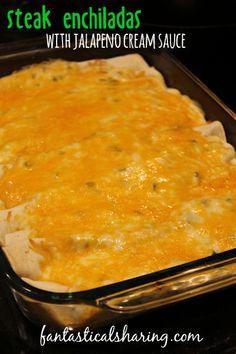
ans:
(118, 301)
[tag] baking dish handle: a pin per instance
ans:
(172, 289)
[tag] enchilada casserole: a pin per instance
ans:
(107, 174)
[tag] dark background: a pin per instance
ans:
(210, 28)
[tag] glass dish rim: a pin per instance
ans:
(90, 296)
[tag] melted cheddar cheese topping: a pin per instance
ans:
(117, 181)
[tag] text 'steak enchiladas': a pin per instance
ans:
(107, 174)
